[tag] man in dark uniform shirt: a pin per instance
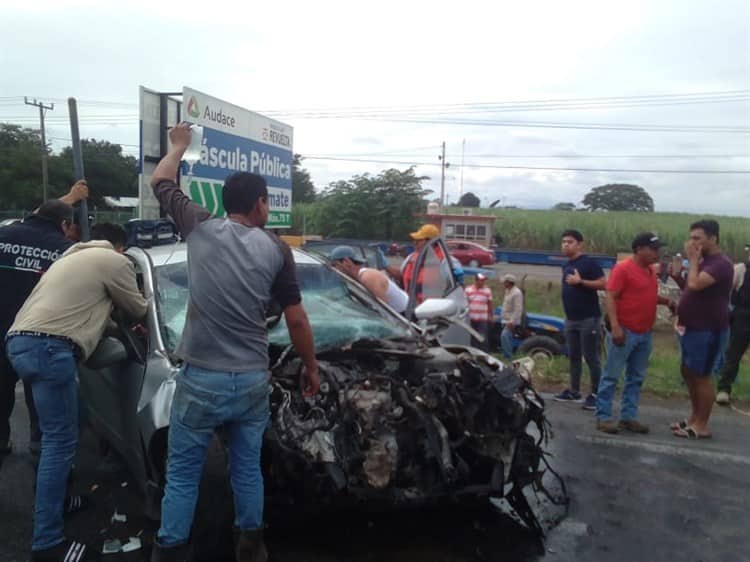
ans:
(27, 250)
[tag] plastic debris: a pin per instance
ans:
(134, 543)
(119, 517)
(111, 546)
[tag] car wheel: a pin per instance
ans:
(473, 263)
(542, 349)
(212, 535)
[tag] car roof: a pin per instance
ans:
(177, 253)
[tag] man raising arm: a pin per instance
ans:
(235, 270)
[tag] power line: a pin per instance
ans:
(555, 103)
(404, 154)
(542, 168)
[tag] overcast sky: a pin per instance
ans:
(336, 55)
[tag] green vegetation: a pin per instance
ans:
(611, 232)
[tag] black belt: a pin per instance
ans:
(74, 345)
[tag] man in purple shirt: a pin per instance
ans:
(703, 323)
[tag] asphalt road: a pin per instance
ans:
(633, 498)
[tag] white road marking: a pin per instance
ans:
(663, 449)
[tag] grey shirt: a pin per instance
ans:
(234, 273)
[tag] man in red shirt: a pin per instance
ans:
(632, 297)
(480, 308)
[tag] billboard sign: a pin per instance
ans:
(238, 140)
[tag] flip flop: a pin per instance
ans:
(675, 426)
(690, 433)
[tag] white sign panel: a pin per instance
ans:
(238, 140)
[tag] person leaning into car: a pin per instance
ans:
(61, 323)
(236, 269)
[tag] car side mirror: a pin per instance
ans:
(436, 308)
(110, 351)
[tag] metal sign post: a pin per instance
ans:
(83, 210)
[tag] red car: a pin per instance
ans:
(471, 254)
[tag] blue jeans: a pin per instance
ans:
(633, 357)
(49, 365)
(506, 343)
(203, 401)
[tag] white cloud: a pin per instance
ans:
(341, 54)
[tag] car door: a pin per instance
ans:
(110, 385)
(433, 268)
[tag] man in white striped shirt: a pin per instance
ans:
(480, 308)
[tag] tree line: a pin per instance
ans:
(387, 205)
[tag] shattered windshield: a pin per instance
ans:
(337, 315)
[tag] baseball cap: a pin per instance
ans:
(343, 252)
(481, 276)
(509, 278)
(426, 232)
(647, 239)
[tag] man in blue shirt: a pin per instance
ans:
(582, 277)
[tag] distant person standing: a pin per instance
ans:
(479, 296)
(632, 298)
(512, 314)
(703, 323)
(739, 333)
(582, 277)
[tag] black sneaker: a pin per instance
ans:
(567, 396)
(590, 402)
(74, 504)
(68, 551)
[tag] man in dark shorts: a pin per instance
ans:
(703, 323)
(582, 277)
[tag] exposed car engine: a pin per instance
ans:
(406, 427)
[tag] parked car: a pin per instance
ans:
(405, 414)
(471, 253)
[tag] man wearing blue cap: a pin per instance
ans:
(345, 259)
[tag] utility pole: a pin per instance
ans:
(443, 166)
(463, 150)
(42, 108)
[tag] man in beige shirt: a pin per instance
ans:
(59, 324)
(512, 314)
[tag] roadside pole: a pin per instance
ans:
(83, 210)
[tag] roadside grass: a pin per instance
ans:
(663, 378)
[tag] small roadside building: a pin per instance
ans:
(465, 226)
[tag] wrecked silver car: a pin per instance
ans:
(404, 416)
